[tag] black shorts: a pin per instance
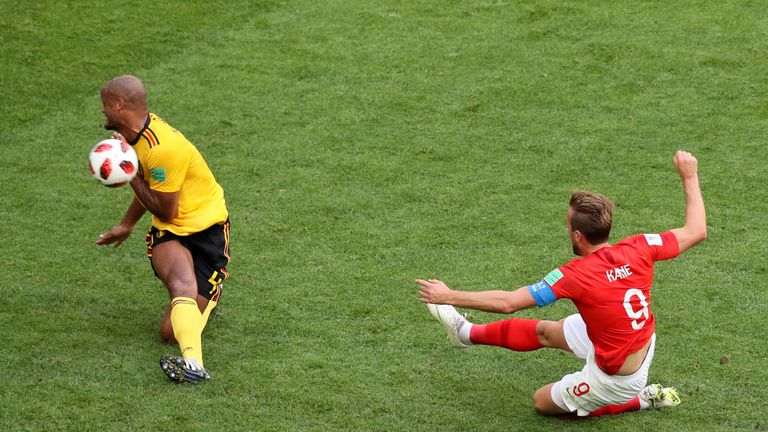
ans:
(210, 255)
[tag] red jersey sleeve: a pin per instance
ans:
(663, 246)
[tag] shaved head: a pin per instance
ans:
(129, 89)
(124, 104)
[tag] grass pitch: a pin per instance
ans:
(361, 146)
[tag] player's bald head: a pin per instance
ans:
(127, 88)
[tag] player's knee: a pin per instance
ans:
(182, 287)
(168, 337)
(539, 404)
(543, 404)
(166, 332)
(544, 332)
(550, 334)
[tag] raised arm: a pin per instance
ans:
(695, 229)
(436, 292)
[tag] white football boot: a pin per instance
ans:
(660, 397)
(452, 321)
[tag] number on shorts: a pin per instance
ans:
(637, 322)
(581, 389)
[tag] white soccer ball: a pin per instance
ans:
(113, 163)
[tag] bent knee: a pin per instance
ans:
(540, 405)
(170, 339)
(182, 288)
(543, 403)
(540, 409)
(550, 334)
(166, 333)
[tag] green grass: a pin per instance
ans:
(362, 145)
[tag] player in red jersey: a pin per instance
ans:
(611, 288)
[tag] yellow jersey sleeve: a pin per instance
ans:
(167, 167)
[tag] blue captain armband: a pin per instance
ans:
(542, 293)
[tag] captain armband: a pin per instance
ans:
(542, 293)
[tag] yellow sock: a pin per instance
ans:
(207, 313)
(188, 326)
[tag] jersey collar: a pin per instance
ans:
(141, 132)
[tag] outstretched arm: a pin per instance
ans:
(120, 232)
(437, 292)
(695, 229)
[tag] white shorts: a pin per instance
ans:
(591, 388)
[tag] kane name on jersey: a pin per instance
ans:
(618, 273)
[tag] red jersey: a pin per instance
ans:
(611, 288)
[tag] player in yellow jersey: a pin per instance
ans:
(188, 243)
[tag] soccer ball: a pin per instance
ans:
(113, 162)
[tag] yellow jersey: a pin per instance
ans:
(170, 163)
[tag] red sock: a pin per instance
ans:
(517, 334)
(633, 405)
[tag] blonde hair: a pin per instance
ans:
(592, 215)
